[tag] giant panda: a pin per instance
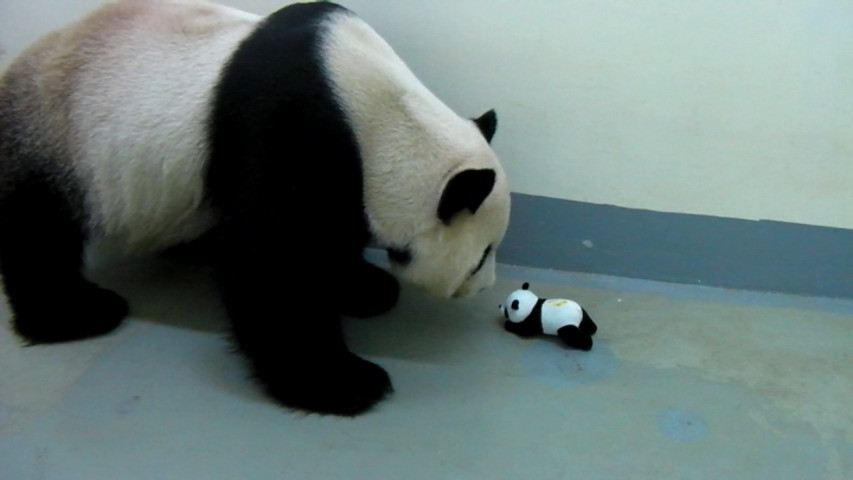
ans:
(296, 140)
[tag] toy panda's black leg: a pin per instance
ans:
(587, 326)
(41, 257)
(367, 290)
(288, 327)
(575, 338)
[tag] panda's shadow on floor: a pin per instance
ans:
(159, 290)
(182, 295)
(420, 328)
(179, 295)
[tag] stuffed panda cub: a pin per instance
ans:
(288, 142)
(528, 315)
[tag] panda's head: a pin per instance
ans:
(435, 195)
(451, 252)
(519, 304)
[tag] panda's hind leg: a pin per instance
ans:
(587, 326)
(41, 257)
(572, 336)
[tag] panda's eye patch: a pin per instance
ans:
(400, 256)
(482, 260)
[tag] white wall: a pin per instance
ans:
(737, 108)
(22, 21)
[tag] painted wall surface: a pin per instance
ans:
(22, 22)
(741, 109)
(720, 107)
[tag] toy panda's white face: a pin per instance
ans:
(435, 194)
(519, 304)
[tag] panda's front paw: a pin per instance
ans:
(74, 313)
(347, 386)
(370, 291)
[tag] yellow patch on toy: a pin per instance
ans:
(556, 302)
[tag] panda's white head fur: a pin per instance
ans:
(519, 304)
(435, 193)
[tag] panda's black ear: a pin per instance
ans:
(514, 305)
(466, 190)
(525, 286)
(488, 124)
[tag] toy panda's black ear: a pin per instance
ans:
(525, 286)
(488, 124)
(514, 305)
(466, 190)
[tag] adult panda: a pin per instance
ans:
(298, 138)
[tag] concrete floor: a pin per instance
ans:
(683, 382)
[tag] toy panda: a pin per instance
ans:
(294, 141)
(528, 315)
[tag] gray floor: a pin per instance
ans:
(683, 382)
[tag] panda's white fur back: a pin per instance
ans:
(396, 117)
(140, 76)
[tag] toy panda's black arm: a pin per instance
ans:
(520, 330)
(531, 326)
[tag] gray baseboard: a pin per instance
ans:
(694, 249)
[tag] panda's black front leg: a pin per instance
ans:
(290, 331)
(366, 290)
(308, 366)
